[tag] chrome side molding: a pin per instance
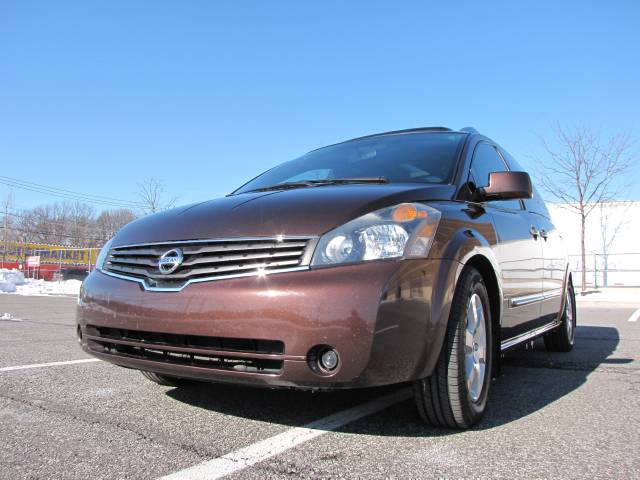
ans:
(529, 299)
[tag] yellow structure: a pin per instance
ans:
(49, 254)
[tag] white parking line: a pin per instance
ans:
(259, 451)
(635, 316)
(51, 364)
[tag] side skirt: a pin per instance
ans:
(512, 342)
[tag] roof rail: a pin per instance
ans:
(469, 130)
(406, 130)
(393, 132)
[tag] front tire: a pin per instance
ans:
(562, 338)
(455, 394)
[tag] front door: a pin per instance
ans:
(554, 269)
(519, 249)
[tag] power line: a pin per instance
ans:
(62, 191)
(67, 194)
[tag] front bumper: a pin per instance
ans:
(385, 319)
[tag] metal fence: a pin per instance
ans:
(610, 270)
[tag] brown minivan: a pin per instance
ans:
(410, 256)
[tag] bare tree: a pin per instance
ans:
(152, 195)
(110, 221)
(72, 224)
(582, 171)
(6, 206)
(610, 225)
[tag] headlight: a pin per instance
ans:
(403, 231)
(102, 256)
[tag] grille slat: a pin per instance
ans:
(247, 256)
(139, 251)
(243, 247)
(206, 260)
(135, 261)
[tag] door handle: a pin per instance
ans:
(534, 232)
(543, 233)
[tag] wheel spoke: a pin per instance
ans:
(480, 373)
(471, 318)
(481, 337)
(476, 382)
(568, 314)
(468, 366)
(479, 314)
(471, 379)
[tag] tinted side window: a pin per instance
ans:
(534, 204)
(485, 161)
(512, 163)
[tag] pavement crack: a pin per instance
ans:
(102, 421)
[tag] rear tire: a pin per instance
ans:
(164, 380)
(562, 338)
(455, 395)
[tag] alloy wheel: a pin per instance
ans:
(475, 347)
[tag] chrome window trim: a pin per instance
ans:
(528, 335)
(149, 288)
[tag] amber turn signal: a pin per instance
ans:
(407, 212)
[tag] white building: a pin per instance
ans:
(612, 242)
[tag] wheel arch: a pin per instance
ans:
(472, 248)
(484, 266)
(466, 247)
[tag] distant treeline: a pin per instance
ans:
(67, 224)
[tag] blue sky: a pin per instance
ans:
(97, 96)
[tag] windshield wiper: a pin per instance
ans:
(282, 186)
(318, 183)
(341, 181)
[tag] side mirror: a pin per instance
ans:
(506, 186)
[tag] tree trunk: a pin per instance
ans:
(583, 253)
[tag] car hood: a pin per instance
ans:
(302, 211)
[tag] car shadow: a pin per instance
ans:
(531, 379)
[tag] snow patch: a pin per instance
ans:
(12, 276)
(7, 287)
(9, 279)
(13, 281)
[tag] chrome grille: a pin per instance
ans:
(204, 260)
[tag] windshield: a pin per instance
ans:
(423, 157)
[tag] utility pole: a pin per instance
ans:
(5, 228)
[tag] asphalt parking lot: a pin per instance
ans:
(572, 415)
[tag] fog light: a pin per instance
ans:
(329, 359)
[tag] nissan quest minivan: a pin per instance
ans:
(409, 256)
